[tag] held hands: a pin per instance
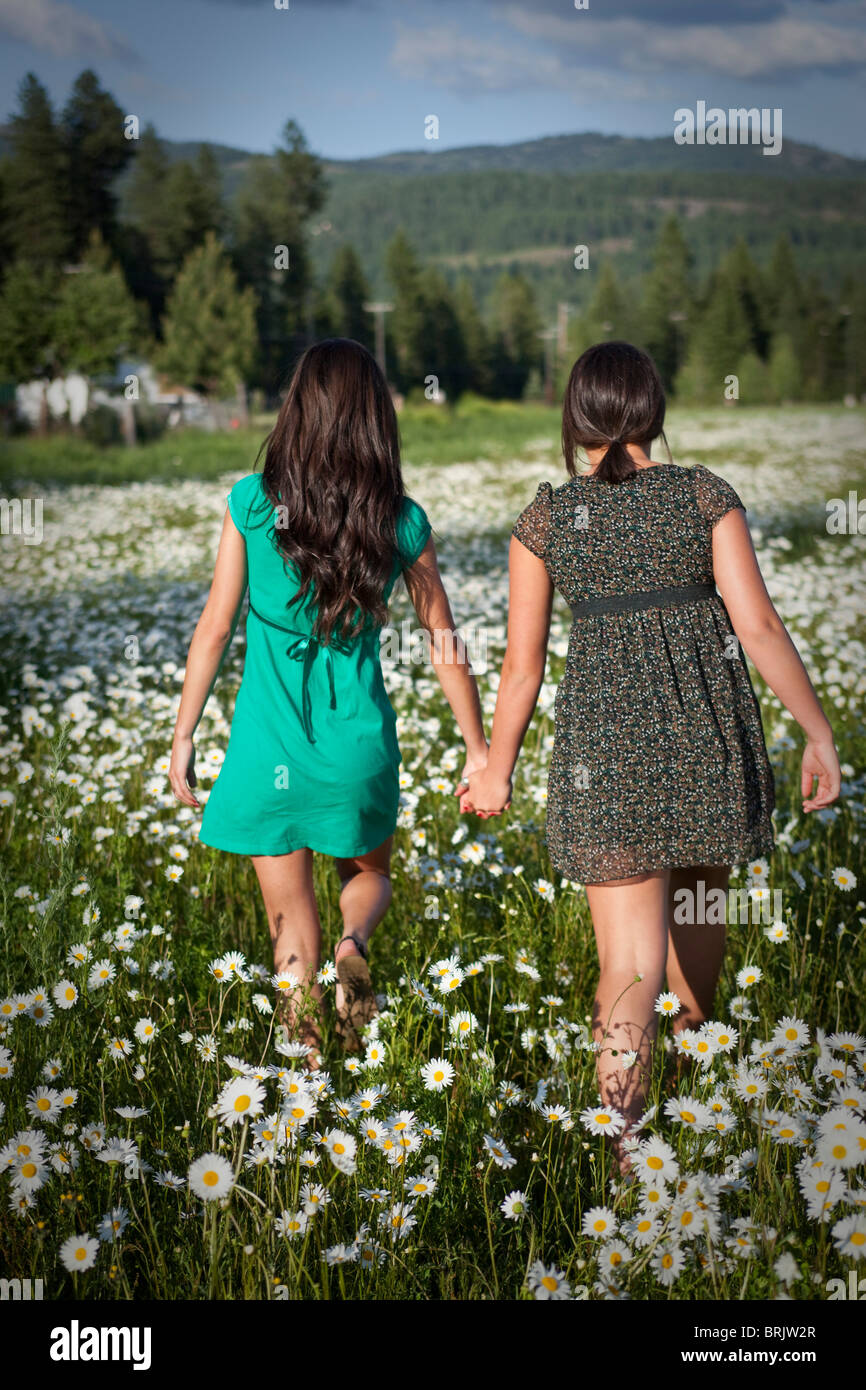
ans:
(488, 794)
(821, 761)
(481, 792)
(474, 763)
(181, 772)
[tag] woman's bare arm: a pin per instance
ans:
(530, 602)
(765, 641)
(447, 651)
(210, 641)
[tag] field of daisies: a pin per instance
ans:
(157, 1141)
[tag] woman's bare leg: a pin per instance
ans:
(696, 948)
(286, 881)
(630, 918)
(365, 897)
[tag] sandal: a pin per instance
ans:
(359, 1006)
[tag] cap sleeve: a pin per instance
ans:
(247, 503)
(532, 527)
(413, 532)
(715, 497)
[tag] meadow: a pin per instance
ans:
(156, 1142)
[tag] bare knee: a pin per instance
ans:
(350, 869)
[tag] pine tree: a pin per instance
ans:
(173, 205)
(475, 338)
(347, 293)
(35, 181)
(718, 343)
(609, 315)
(271, 209)
(745, 282)
(668, 301)
(442, 350)
(96, 152)
(853, 312)
(516, 346)
(27, 301)
(785, 374)
(409, 316)
(210, 324)
(96, 318)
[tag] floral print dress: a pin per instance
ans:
(659, 757)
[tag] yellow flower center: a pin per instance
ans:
(210, 1178)
(241, 1104)
(549, 1283)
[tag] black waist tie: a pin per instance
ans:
(649, 598)
(304, 648)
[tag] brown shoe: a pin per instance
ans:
(359, 1007)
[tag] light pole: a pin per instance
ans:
(563, 309)
(380, 308)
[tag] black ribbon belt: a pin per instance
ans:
(649, 598)
(304, 648)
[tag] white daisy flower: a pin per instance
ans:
(210, 1176)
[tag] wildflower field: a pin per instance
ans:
(157, 1142)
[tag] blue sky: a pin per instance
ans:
(360, 76)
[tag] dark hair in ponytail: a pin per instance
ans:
(614, 397)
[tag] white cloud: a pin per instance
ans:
(445, 57)
(793, 44)
(51, 26)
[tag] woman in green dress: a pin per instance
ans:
(659, 777)
(320, 537)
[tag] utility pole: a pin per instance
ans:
(549, 336)
(563, 309)
(380, 308)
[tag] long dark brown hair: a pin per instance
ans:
(614, 397)
(332, 463)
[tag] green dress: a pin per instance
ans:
(659, 757)
(312, 759)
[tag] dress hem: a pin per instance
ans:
(762, 844)
(290, 849)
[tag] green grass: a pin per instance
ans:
(429, 435)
